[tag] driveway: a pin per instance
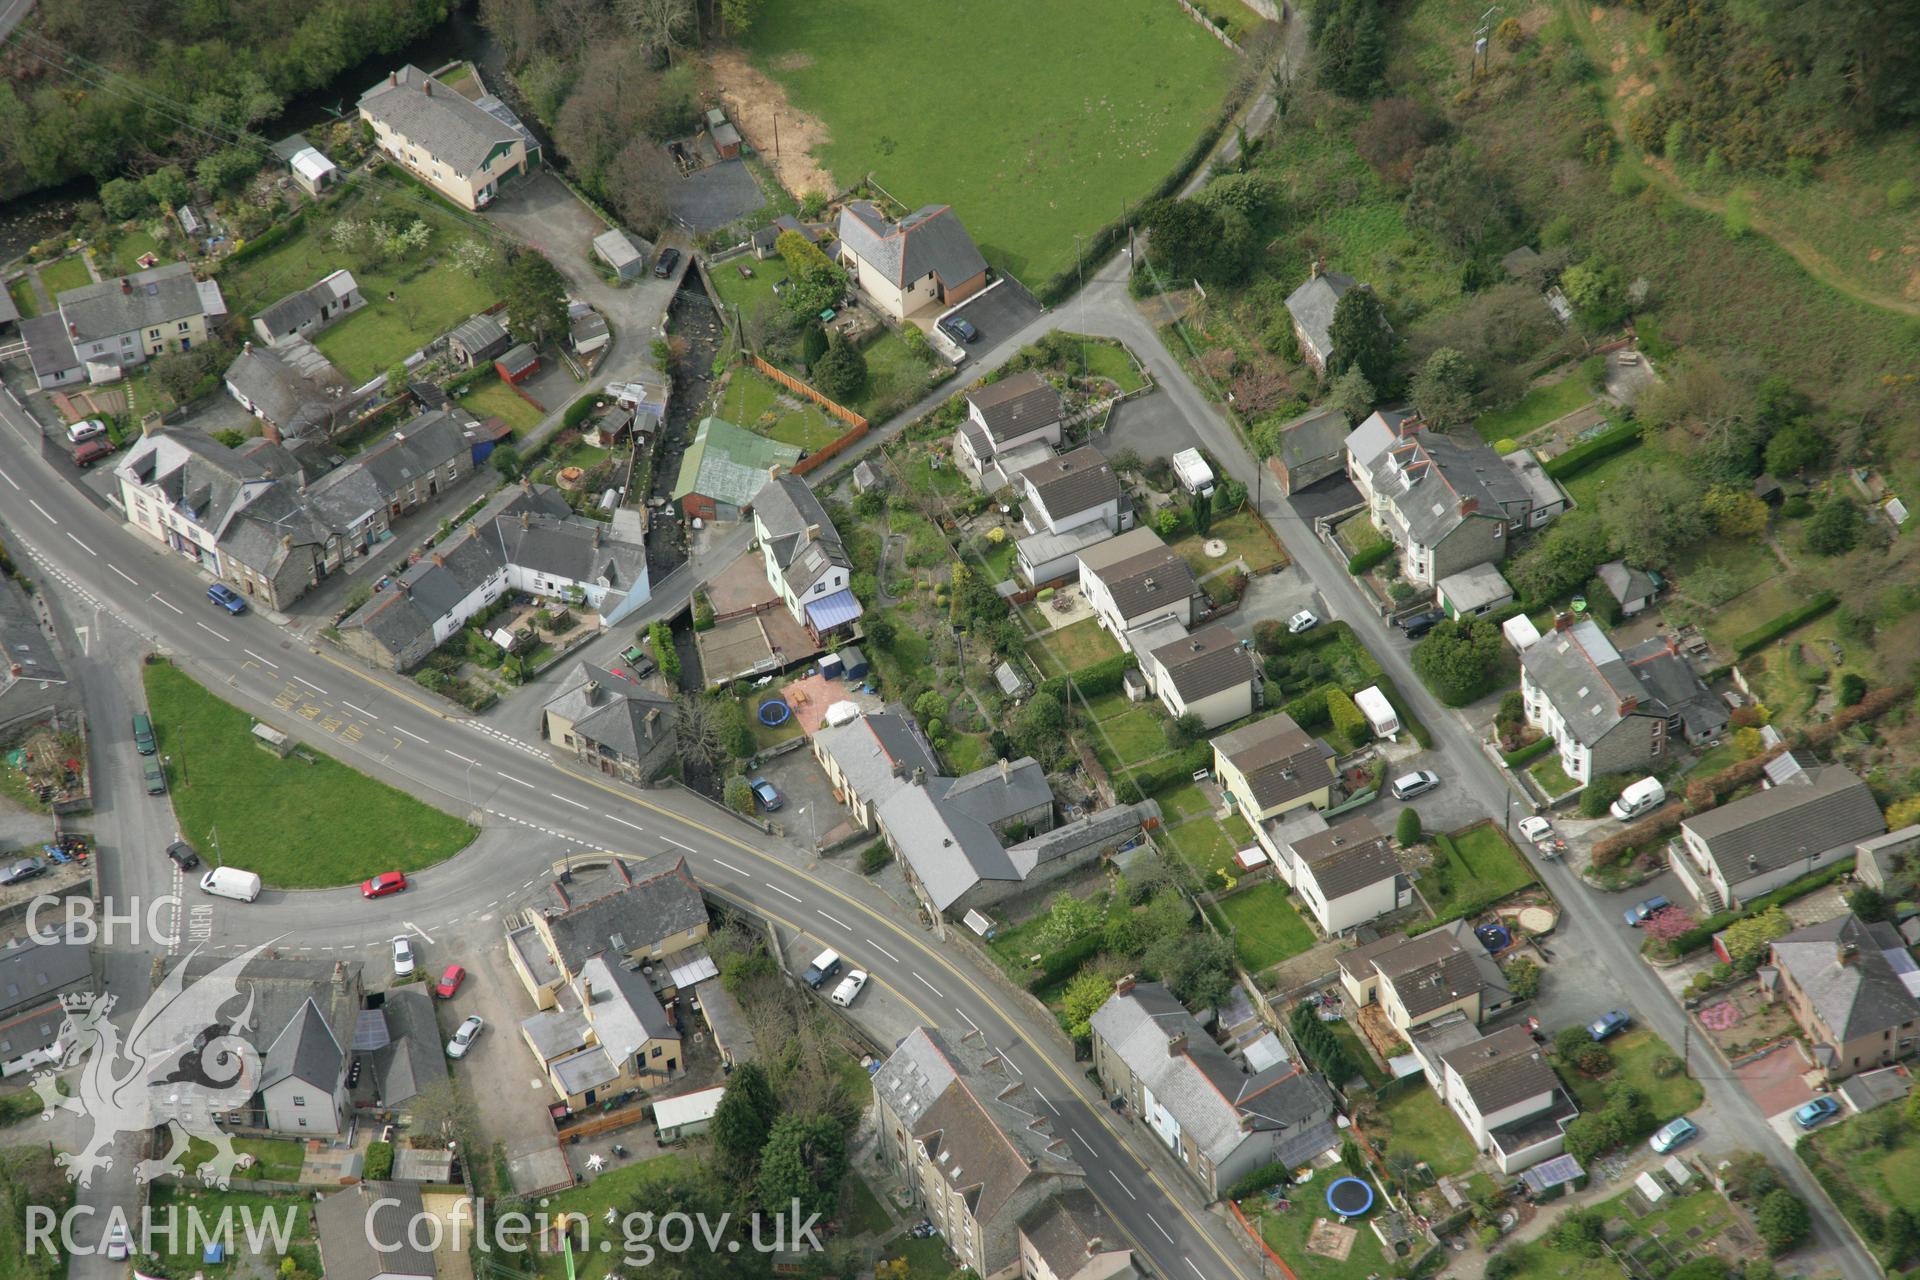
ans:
(714, 196)
(1006, 308)
(1335, 493)
(809, 813)
(1776, 1083)
(1274, 597)
(1151, 425)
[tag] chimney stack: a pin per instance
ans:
(1176, 1045)
(1469, 505)
(426, 87)
(439, 560)
(586, 991)
(1006, 769)
(1562, 621)
(1628, 705)
(1848, 953)
(919, 777)
(593, 692)
(1124, 985)
(393, 78)
(126, 285)
(813, 531)
(1315, 269)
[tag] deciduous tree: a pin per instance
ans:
(1443, 389)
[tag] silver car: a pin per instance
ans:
(1417, 783)
(463, 1038)
(404, 961)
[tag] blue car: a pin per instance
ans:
(1637, 914)
(227, 598)
(1609, 1024)
(764, 792)
(1672, 1134)
(1816, 1111)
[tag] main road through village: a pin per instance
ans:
(532, 810)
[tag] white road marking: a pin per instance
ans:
(777, 889)
(1156, 1225)
(970, 1021)
(361, 710)
(116, 569)
(1197, 1271)
(457, 756)
(1010, 1062)
(417, 929)
(42, 510)
(737, 871)
(623, 822)
(928, 985)
(311, 685)
(83, 546)
(575, 803)
(1123, 1186)
(527, 885)
(250, 653)
(870, 942)
(843, 924)
(676, 844)
(9, 479)
(416, 737)
(510, 778)
(170, 604)
(1043, 1098)
(210, 631)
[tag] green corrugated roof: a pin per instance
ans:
(729, 464)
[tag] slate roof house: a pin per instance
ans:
(99, 331)
(348, 1225)
(607, 1034)
(525, 539)
(305, 312)
(296, 392)
(1220, 1119)
(805, 560)
(926, 259)
(1422, 979)
(1609, 711)
(461, 149)
(34, 976)
(1312, 447)
(34, 689)
(1634, 589)
(1854, 989)
(1449, 502)
(648, 919)
(973, 1149)
(1506, 1094)
(1273, 765)
(725, 468)
(1810, 815)
(1311, 308)
(611, 722)
(1018, 417)
(869, 758)
(1070, 1237)
(1209, 674)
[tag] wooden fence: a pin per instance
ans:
(800, 388)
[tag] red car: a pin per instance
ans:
(383, 884)
(450, 982)
(91, 451)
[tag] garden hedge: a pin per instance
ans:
(1662, 821)
(1618, 438)
(1700, 935)
(1526, 755)
(1361, 561)
(1767, 632)
(1159, 775)
(1093, 680)
(577, 411)
(272, 236)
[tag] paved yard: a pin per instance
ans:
(810, 815)
(1275, 597)
(1776, 1082)
(1150, 425)
(997, 313)
(714, 196)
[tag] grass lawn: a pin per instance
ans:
(1421, 1125)
(1350, 1041)
(1051, 144)
(1286, 1233)
(1585, 489)
(1080, 645)
(966, 752)
(1000, 559)
(1485, 868)
(1202, 845)
(1714, 760)
(21, 291)
(749, 294)
(757, 404)
(895, 377)
(127, 251)
(1106, 358)
(1548, 772)
(926, 1259)
(1232, 17)
(266, 1213)
(1185, 801)
(1269, 930)
(1246, 538)
(299, 825)
(431, 294)
(275, 1159)
(1133, 737)
(918, 473)
(863, 1211)
(1535, 409)
(1686, 1225)
(1633, 1058)
(68, 273)
(491, 397)
(616, 1188)
(1358, 533)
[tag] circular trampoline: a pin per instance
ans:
(1494, 937)
(774, 713)
(1349, 1197)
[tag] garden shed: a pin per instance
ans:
(618, 250)
(518, 364)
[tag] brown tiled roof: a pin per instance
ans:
(1156, 578)
(1073, 482)
(1348, 857)
(1502, 1069)
(1205, 663)
(1016, 405)
(1281, 761)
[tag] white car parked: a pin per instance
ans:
(403, 957)
(1536, 829)
(463, 1038)
(1305, 620)
(849, 988)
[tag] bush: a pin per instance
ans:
(1666, 1066)
(378, 1161)
(1361, 561)
(1348, 720)
(1309, 710)
(1595, 1060)
(1569, 1041)
(1406, 828)
(1524, 756)
(1600, 793)
(875, 856)
(1767, 632)
(1523, 977)
(739, 794)
(1852, 689)
(1618, 438)
(578, 412)
(1267, 1175)
(1782, 1220)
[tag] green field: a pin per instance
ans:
(300, 825)
(68, 273)
(759, 405)
(274, 1159)
(1485, 868)
(431, 295)
(1268, 928)
(1633, 1057)
(1070, 108)
(491, 397)
(1535, 409)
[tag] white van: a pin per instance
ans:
(1643, 796)
(231, 882)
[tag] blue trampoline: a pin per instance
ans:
(774, 712)
(1494, 937)
(1349, 1197)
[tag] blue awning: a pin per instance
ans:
(832, 611)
